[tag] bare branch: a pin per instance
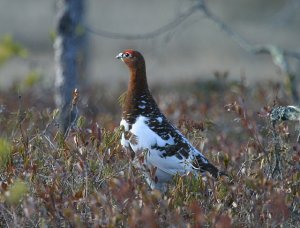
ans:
(279, 56)
(293, 54)
(225, 28)
(149, 35)
(275, 52)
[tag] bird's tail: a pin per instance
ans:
(213, 170)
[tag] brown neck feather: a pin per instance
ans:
(137, 87)
(138, 81)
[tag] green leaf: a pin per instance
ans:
(16, 192)
(80, 122)
(9, 48)
(5, 153)
(32, 78)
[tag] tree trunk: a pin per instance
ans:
(69, 48)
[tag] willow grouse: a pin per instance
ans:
(165, 151)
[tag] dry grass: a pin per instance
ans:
(87, 179)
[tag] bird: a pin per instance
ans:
(161, 150)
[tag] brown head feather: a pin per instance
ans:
(138, 86)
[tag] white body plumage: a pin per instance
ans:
(166, 166)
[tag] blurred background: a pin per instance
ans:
(218, 95)
(193, 50)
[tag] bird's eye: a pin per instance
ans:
(127, 55)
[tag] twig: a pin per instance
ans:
(4, 215)
(274, 51)
(277, 157)
(149, 35)
(49, 141)
(243, 43)
(293, 54)
(279, 56)
(73, 113)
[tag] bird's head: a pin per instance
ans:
(133, 59)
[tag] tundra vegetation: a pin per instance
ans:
(86, 179)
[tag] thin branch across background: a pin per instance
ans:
(149, 35)
(202, 7)
(279, 56)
